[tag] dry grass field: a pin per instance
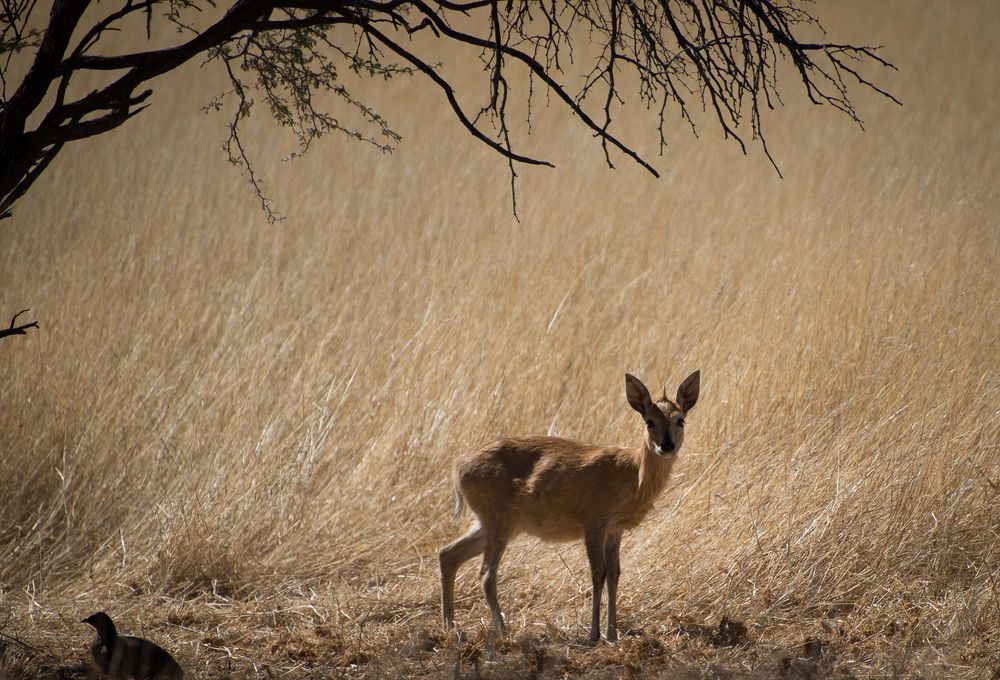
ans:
(237, 437)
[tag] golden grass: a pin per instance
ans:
(236, 437)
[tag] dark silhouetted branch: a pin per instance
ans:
(660, 55)
(18, 330)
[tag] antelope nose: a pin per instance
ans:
(667, 446)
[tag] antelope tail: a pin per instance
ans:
(459, 503)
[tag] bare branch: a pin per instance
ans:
(664, 55)
(445, 86)
(18, 330)
(539, 70)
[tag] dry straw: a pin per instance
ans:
(237, 438)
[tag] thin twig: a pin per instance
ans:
(18, 330)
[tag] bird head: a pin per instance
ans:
(104, 625)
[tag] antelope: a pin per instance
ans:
(562, 490)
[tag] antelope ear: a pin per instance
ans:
(687, 393)
(638, 395)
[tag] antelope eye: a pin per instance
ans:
(649, 424)
(680, 422)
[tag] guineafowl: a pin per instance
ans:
(122, 656)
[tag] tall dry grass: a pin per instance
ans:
(236, 437)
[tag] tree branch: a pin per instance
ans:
(445, 86)
(542, 74)
(664, 52)
(18, 330)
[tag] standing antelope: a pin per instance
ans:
(562, 490)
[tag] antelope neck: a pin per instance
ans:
(654, 470)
